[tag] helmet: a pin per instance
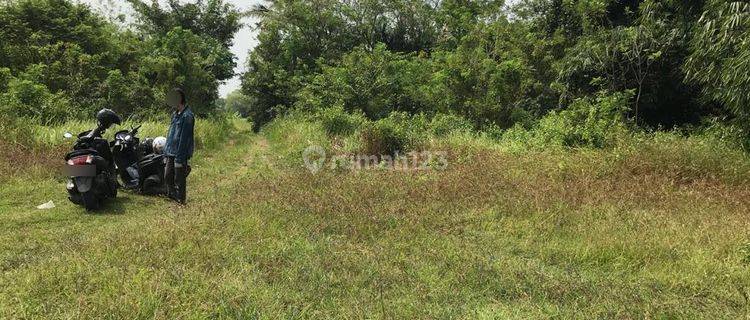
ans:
(107, 118)
(159, 144)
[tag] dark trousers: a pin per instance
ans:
(176, 180)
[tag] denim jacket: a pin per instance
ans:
(180, 137)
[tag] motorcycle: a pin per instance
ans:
(125, 151)
(151, 167)
(140, 165)
(90, 165)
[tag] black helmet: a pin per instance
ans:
(107, 118)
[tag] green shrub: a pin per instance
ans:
(28, 99)
(382, 138)
(5, 77)
(471, 81)
(336, 121)
(585, 123)
(375, 82)
(445, 124)
(398, 132)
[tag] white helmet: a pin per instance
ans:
(159, 143)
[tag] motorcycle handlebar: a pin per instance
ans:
(98, 131)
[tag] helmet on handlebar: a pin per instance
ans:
(107, 118)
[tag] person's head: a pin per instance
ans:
(176, 99)
(181, 95)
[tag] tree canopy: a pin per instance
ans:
(496, 65)
(500, 65)
(60, 59)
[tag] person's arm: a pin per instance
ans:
(185, 133)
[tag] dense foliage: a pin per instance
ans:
(668, 63)
(238, 103)
(495, 65)
(60, 60)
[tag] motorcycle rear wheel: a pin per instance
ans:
(90, 201)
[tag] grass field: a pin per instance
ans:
(496, 235)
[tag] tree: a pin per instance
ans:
(214, 19)
(183, 59)
(190, 47)
(73, 57)
(67, 50)
(720, 55)
(239, 103)
(296, 38)
(644, 54)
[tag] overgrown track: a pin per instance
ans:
(493, 236)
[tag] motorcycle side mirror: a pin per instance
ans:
(67, 135)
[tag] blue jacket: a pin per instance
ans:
(180, 136)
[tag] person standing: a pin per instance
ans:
(179, 147)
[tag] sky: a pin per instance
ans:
(244, 40)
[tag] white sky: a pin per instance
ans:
(244, 40)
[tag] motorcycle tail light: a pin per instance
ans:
(81, 160)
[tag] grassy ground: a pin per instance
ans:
(577, 234)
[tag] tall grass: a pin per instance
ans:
(715, 152)
(45, 145)
(208, 132)
(289, 136)
(685, 158)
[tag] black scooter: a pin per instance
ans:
(125, 151)
(151, 173)
(139, 166)
(90, 165)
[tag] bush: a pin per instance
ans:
(5, 77)
(585, 123)
(26, 98)
(382, 138)
(336, 121)
(445, 124)
(375, 82)
(397, 133)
